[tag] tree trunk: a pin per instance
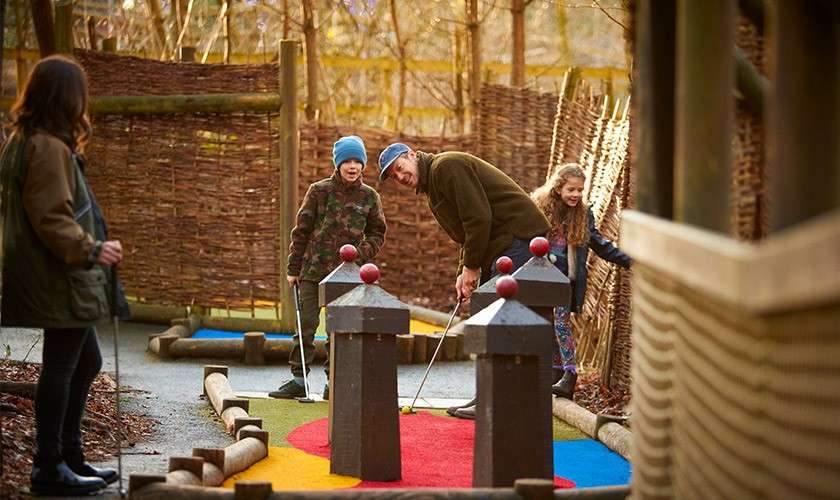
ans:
(287, 23)
(157, 20)
(93, 42)
(226, 33)
(458, 77)
(401, 51)
(563, 35)
(42, 17)
(21, 64)
(178, 11)
(474, 27)
(311, 40)
(517, 72)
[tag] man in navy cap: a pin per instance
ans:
(478, 206)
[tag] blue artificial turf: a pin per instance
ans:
(207, 333)
(589, 463)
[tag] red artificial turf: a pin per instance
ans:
(437, 452)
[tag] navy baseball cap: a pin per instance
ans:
(387, 157)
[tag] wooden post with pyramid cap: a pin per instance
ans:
(341, 280)
(485, 295)
(542, 287)
(366, 432)
(510, 439)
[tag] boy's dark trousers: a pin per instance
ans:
(310, 315)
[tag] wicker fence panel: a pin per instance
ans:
(193, 198)
(748, 206)
(110, 74)
(515, 132)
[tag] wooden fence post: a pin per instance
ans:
(289, 144)
(705, 112)
(64, 27)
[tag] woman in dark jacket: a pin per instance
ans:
(53, 276)
(572, 234)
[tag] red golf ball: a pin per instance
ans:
(504, 265)
(539, 246)
(348, 253)
(369, 273)
(506, 287)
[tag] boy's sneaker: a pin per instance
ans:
(289, 390)
(326, 392)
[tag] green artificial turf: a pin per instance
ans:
(282, 416)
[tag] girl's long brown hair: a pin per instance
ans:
(571, 220)
(54, 100)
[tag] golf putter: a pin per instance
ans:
(116, 319)
(410, 408)
(296, 292)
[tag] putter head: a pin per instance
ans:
(305, 400)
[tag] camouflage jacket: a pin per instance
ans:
(332, 214)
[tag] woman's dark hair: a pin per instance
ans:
(54, 100)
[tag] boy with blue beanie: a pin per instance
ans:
(338, 210)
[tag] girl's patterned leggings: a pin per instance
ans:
(564, 345)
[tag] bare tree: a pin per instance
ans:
(402, 56)
(42, 16)
(287, 22)
(517, 72)
(311, 46)
(157, 21)
(474, 42)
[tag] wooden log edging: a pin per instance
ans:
(255, 349)
(605, 429)
(211, 466)
(153, 487)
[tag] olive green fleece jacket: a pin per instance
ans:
(477, 205)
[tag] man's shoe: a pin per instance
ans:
(467, 413)
(60, 481)
(566, 387)
(289, 390)
(326, 392)
(76, 462)
(452, 409)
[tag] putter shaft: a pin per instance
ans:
(434, 355)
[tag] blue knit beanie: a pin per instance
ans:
(348, 148)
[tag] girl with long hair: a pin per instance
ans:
(53, 266)
(572, 234)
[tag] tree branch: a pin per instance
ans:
(597, 4)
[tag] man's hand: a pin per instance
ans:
(110, 254)
(466, 282)
(292, 280)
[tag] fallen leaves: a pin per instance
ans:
(100, 428)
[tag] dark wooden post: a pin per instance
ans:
(64, 27)
(512, 428)
(705, 112)
(344, 278)
(803, 111)
(364, 323)
(542, 287)
(109, 44)
(289, 144)
(654, 102)
(186, 54)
